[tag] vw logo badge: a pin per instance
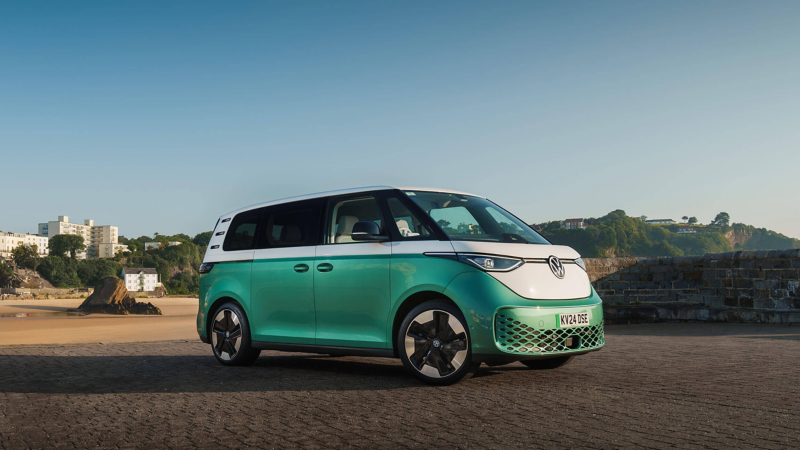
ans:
(556, 266)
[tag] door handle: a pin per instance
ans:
(300, 268)
(325, 267)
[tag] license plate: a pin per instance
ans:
(573, 320)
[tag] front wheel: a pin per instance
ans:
(434, 346)
(230, 337)
(545, 364)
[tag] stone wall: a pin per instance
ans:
(746, 286)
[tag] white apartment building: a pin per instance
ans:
(140, 279)
(102, 241)
(9, 241)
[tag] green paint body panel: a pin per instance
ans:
(415, 273)
(282, 301)
(352, 301)
(356, 303)
(230, 279)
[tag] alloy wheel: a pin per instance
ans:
(227, 335)
(436, 343)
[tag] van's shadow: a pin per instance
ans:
(183, 373)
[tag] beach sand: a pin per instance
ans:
(45, 322)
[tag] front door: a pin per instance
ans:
(352, 279)
(283, 275)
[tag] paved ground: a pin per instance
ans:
(689, 386)
(46, 322)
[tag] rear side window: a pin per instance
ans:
(292, 225)
(241, 234)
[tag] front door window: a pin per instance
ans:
(345, 214)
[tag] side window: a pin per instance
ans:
(345, 213)
(407, 223)
(241, 234)
(292, 225)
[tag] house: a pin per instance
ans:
(659, 221)
(138, 279)
(575, 224)
(152, 245)
(686, 229)
(10, 241)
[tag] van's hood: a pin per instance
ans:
(534, 279)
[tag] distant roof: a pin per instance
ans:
(574, 220)
(341, 192)
(659, 220)
(135, 270)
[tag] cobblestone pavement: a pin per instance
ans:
(703, 385)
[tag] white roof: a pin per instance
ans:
(340, 192)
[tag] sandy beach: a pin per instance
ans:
(46, 322)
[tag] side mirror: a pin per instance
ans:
(367, 230)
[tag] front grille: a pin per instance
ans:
(515, 336)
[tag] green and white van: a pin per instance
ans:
(442, 280)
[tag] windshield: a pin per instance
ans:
(469, 218)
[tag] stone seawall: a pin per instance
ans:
(746, 286)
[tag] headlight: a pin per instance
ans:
(581, 264)
(490, 263)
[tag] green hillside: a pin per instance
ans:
(176, 264)
(617, 234)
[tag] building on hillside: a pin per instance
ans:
(9, 241)
(102, 241)
(686, 229)
(659, 221)
(109, 250)
(152, 245)
(139, 279)
(575, 224)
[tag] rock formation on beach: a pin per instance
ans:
(111, 297)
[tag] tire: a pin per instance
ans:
(547, 364)
(434, 344)
(230, 336)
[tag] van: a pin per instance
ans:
(443, 280)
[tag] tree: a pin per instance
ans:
(642, 218)
(6, 275)
(202, 239)
(59, 271)
(63, 244)
(722, 220)
(685, 218)
(26, 256)
(692, 220)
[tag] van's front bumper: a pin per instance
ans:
(505, 327)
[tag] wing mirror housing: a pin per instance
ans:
(367, 230)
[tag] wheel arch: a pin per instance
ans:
(216, 304)
(412, 302)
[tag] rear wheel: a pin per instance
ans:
(545, 364)
(230, 337)
(434, 346)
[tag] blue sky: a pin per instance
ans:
(160, 116)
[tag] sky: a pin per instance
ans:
(161, 116)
